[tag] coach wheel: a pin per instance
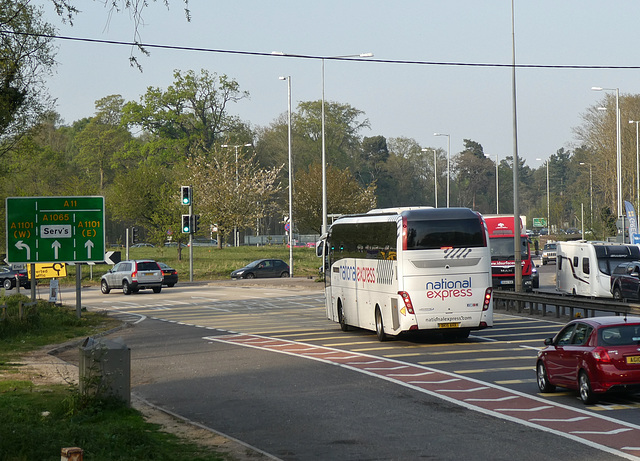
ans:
(380, 326)
(341, 318)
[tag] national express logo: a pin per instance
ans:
(444, 289)
(382, 274)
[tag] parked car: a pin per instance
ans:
(548, 253)
(133, 276)
(262, 268)
(593, 355)
(169, 274)
(8, 277)
(625, 281)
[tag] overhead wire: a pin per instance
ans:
(318, 57)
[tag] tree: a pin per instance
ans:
(192, 111)
(474, 173)
(233, 194)
(26, 57)
(403, 177)
(344, 195)
(102, 139)
(67, 10)
(373, 155)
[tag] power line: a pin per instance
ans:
(316, 57)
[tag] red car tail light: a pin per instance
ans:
(601, 355)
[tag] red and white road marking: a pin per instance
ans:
(601, 432)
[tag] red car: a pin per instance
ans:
(593, 355)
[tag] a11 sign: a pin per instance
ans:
(55, 229)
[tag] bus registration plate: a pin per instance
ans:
(633, 359)
(449, 325)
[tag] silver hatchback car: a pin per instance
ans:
(133, 276)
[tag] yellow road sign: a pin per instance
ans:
(48, 270)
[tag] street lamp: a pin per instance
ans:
(435, 175)
(618, 151)
(448, 162)
(548, 216)
(324, 152)
(637, 165)
(590, 194)
(235, 229)
(288, 79)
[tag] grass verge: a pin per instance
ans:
(39, 420)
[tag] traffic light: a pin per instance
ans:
(134, 235)
(196, 223)
(186, 224)
(185, 195)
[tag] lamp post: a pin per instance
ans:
(448, 162)
(590, 195)
(497, 188)
(548, 214)
(618, 151)
(324, 152)
(288, 79)
(637, 165)
(435, 175)
(235, 229)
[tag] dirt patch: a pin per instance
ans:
(42, 368)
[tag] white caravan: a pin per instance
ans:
(584, 268)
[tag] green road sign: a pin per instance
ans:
(539, 222)
(55, 229)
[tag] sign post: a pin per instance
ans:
(56, 230)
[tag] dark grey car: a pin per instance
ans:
(262, 268)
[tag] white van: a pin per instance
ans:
(584, 268)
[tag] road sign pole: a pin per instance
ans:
(33, 282)
(78, 290)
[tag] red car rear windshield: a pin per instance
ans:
(621, 335)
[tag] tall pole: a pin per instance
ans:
(448, 163)
(637, 165)
(236, 231)
(497, 189)
(548, 208)
(288, 79)
(618, 154)
(435, 177)
(324, 152)
(324, 164)
(590, 194)
(516, 212)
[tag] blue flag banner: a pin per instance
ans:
(634, 237)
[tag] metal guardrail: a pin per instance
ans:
(544, 303)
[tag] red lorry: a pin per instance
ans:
(501, 237)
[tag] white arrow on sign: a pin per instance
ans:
(88, 245)
(56, 246)
(20, 245)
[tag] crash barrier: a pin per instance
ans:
(544, 304)
(105, 368)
